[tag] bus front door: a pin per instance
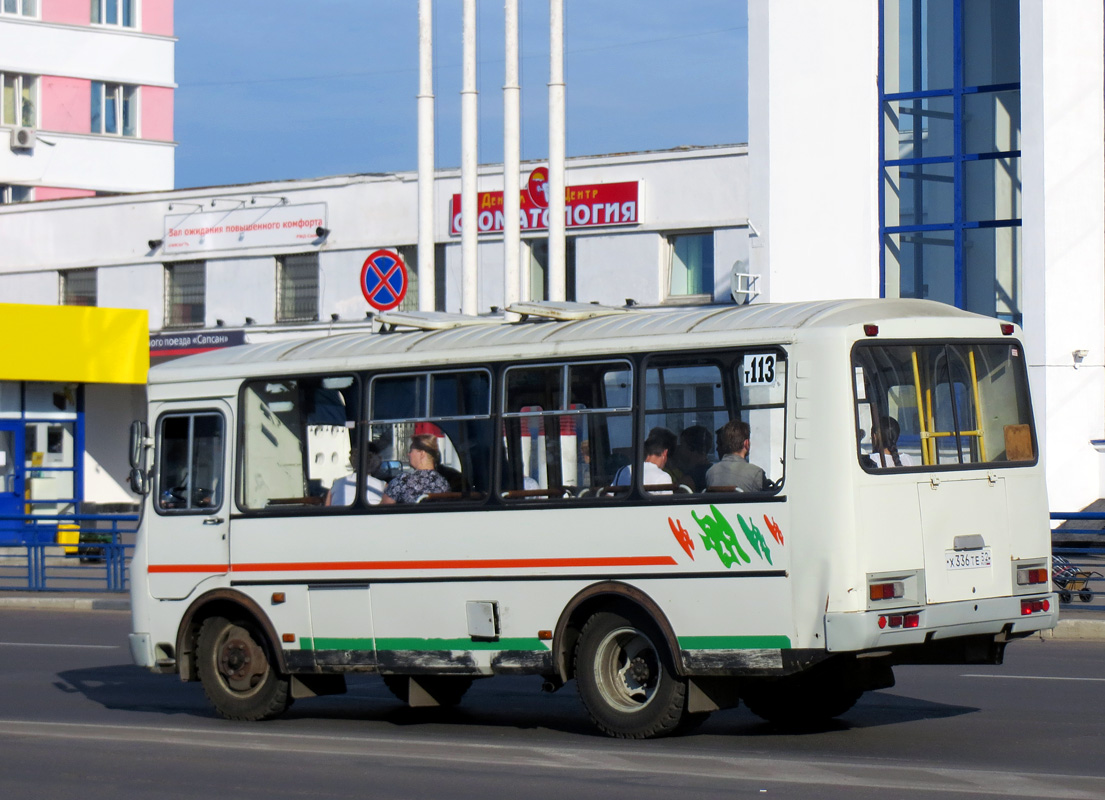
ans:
(187, 537)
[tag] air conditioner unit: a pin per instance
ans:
(23, 138)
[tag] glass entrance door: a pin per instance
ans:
(12, 480)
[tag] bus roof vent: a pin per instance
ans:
(432, 320)
(563, 311)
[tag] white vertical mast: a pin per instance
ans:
(469, 165)
(557, 225)
(512, 283)
(426, 288)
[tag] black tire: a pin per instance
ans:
(448, 690)
(237, 670)
(804, 700)
(1085, 597)
(625, 677)
(1064, 597)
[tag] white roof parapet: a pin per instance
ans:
(433, 320)
(563, 311)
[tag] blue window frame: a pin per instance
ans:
(949, 188)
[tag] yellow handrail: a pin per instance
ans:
(925, 459)
(978, 408)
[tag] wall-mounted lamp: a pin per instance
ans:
(253, 200)
(219, 323)
(155, 243)
(196, 206)
(1079, 356)
(322, 232)
(335, 317)
(630, 302)
(250, 321)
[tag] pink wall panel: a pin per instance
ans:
(57, 193)
(157, 113)
(69, 12)
(157, 17)
(65, 104)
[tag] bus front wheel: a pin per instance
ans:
(625, 677)
(237, 673)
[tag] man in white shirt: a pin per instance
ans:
(659, 443)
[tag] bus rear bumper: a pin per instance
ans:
(860, 630)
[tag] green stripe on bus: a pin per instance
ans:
(734, 642)
(323, 643)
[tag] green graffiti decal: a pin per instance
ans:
(755, 538)
(718, 535)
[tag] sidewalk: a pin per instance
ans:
(1087, 624)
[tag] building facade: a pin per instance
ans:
(87, 104)
(955, 150)
(222, 266)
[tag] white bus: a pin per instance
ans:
(901, 517)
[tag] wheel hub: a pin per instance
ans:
(242, 662)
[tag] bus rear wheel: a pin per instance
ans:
(237, 673)
(625, 677)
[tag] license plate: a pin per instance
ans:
(968, 559)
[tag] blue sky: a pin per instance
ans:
(272, 90)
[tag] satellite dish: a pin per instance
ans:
(742, 283)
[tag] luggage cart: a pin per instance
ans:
(1070, 580)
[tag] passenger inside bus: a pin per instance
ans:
(691, 460)
(733, 472)
(658, 445)
(344, 490)
(884, 445)
(425, 479)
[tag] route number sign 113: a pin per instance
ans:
(759, 369)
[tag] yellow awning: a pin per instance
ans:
(73, 344)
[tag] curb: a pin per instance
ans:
(66, 603)
(1077, 629)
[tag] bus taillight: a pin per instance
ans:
(886, 591)
(1034, 606)
(1030, 577)
(900, 620)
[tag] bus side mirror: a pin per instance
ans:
(139, 439)
(139, 444)
(139, 481)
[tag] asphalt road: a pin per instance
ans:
(78, 721)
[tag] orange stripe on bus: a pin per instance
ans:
(490, 563)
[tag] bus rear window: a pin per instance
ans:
(942, 405)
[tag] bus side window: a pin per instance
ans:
(190, 472)
(567, 430)
(298, 442)
(454, 406)
(687, 399)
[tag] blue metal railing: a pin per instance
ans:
(1082, 540)
(93, 554)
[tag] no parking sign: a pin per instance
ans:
(384, 280)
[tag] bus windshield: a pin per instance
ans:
(942, 405)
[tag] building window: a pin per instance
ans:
(114, 12)
(185, 293)
(19, 107)
(25, 8)
(950, 192)
(16, 194)
(78, 287)
(409, 255)
(539, 269)
(690, 265)
(114, 109)
(297, 288)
